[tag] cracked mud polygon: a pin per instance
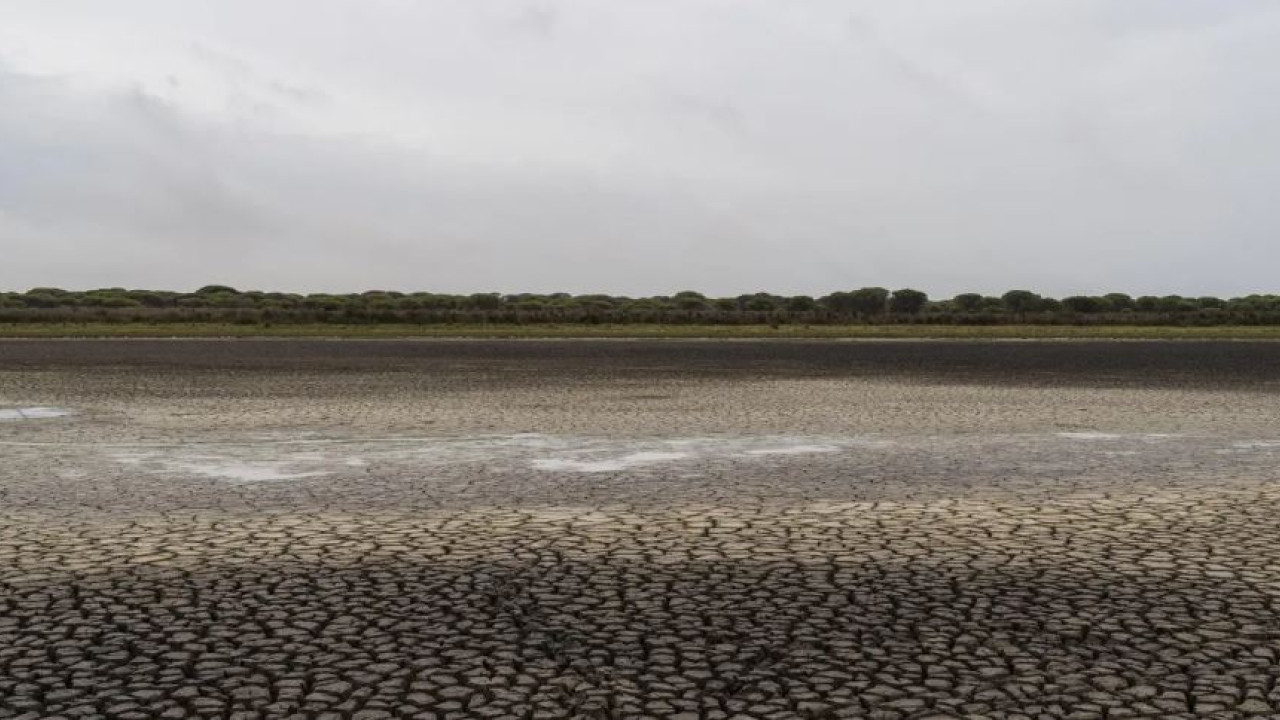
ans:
(488, 529)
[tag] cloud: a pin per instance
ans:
(539, 20)
(1067, 146)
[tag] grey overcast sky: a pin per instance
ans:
(1067, 146)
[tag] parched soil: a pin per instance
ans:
(639, 529)
(1099, 363)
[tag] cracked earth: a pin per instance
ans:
(270, 529)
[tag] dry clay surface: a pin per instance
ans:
(312, 529)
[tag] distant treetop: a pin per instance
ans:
(859, 305)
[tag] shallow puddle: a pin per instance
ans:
(33, 413)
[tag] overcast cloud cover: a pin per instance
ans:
(642, 147)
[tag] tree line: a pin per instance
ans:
(868, 305)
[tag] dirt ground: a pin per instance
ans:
(639, 529)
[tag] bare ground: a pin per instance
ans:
(343, 529)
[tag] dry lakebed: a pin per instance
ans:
(693, 530)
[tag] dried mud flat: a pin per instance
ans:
(311, 529)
